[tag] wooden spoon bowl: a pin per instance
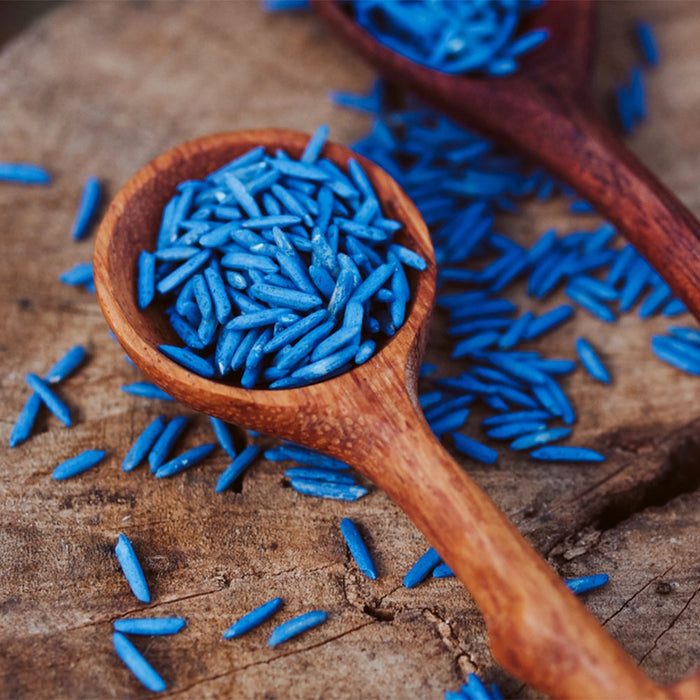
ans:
(545, 111)
(131, 225)
(370, 418)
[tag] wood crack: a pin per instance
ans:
(234, 671)
(672, 623)
(629, 600)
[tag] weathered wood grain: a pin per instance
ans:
(103, 88)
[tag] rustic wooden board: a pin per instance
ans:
(104, 87)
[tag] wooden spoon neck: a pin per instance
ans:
(529, 612)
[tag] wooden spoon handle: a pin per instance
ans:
(538, 630)
(575, 145)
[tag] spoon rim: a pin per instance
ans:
(175, 165)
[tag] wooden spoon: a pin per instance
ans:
(544, 110)
(370, 418)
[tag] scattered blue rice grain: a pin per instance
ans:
(674, 308)
(442, 571)
(304, 455)
(516, 417)
(551, 453)
(237, 467)
(540, 437)
(625, 108)
(474, 449)
(296, 626)
(590, 304)
(487, 308)
(319, 474)
(689, 335)
(637, 279)
(561, 401)
(60, 371)
(50, 399)
(24, 174)
(590, 360)
(421, 569)
(164, 443)
(430, 399)
(547, 321)
(223, 435)
(515, 367)
(79, 275)
(185, 460)
(516, 332)
(476, 342)
(25, 421)
(137, 664)
(681, 355)
(587, 583)
(593, 287)
(87, 208)
(132, 569)
(358, 548)
(253, 618)
(474, 689)
(143, 444)
(647, 42)
(80, 463)
(324, 489)
(512, 430)
(155, 626)
(66, 365)
(449, 423)
(659, 296)
(479, 324)
(146, 390)
(637, 95)
(448, 406)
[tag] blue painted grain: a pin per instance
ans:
(133, 573)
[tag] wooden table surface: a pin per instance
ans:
(101, 88)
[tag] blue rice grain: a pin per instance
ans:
(421, 569)
(87, 208)
(323, 489)
(146, 390)
(590, 360)
(253, 619)
(358, 548)
(587, 583)
(143, 444)
(296, 626)
(237, 467)
(151, 626)
(24, 174)
(78, 464)
(184, 461)
(49, 398)
(474, 449)
(137, 664)
(551, 453)
(132, 569)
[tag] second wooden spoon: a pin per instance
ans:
(544, 110)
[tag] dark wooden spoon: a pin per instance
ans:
(544, 110)
(370, 418)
